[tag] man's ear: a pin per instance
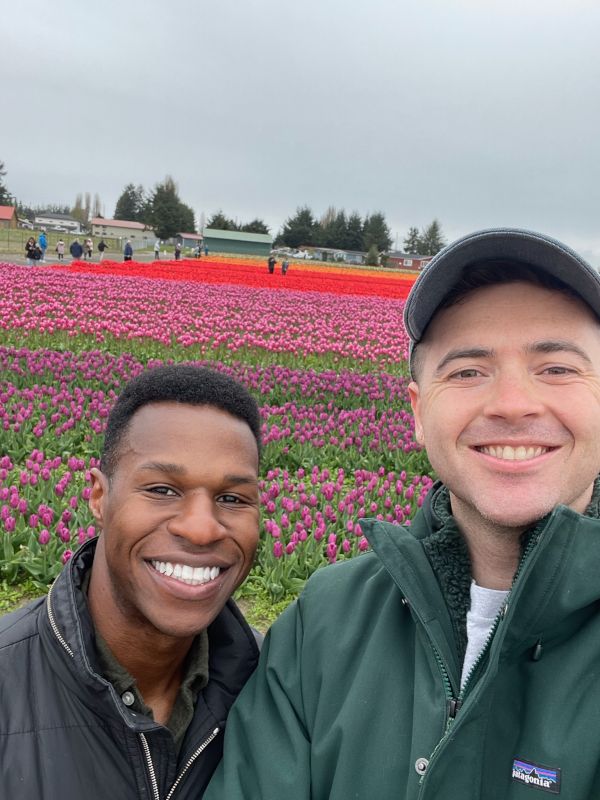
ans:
(415, 402)
(98, 495)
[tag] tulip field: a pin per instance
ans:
(323, 349)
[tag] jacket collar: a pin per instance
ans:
(430, 564)
(67, 631)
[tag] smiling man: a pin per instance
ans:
(459, 659)
(118, 684)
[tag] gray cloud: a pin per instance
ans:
(479, 113)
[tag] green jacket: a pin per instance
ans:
(357, 690)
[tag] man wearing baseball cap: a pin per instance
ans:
(460, 658)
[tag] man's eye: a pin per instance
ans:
(466, 373)
(230, 498)
(165, 491)
(558, 370)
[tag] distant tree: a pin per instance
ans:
(299, 229)
(376, 232)
(222, 223)
(169, 215)
(187, 222)
(97, 207)
(5, 196)
(87, 208)
(132, 204)
(255, 226)
(412, 242)
(78, 212)
(354, 232)
(332, 229)
(432, 239)
(373, 256)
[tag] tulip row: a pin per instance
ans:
(328, 372)
(215, 321)
(301, 278)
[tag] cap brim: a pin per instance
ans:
(510, 244)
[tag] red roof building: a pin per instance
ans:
(8, 217)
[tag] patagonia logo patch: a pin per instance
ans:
(535, 775)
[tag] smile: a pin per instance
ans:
(508, 453)
(192, 576)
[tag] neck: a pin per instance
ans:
(494, 550)
(155, 660)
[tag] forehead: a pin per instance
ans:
(181, 431)
(521, 304)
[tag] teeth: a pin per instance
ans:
(508, 453)
(193, 576)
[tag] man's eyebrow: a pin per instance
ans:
(464, 352)
(160, 466)
(231, 479)
(558, 346)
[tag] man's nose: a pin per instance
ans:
(197, 520)
(513, 395)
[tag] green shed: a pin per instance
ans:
(251, 244)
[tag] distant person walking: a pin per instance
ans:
(285, 264)
(76, 250)
(206, 250)
(128, 251)
(177, 251)
(33, 252)
(60, 249)
(271, 264)
(43, 244)
(157, 250)
(89, 248)
(102, 246)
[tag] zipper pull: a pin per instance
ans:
(454, 707)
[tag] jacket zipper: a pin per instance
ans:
(53, 624)
(453, 704)
(145, 746)
(189, 762)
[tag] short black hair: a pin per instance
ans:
(491, 273)
(176, 383)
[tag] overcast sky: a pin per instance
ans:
(477, 112)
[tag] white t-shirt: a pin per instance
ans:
(485, 607)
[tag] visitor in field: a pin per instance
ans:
(285, 264)
(89, 248)
(157, 250)
(76, 250)
(33, 252)
(43, 245)
(271, 264)
(459, 659)
(60, 249)
(118, 684)
(102, 246)
(127, 251)
(177, 251)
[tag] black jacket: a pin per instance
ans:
(65, 733)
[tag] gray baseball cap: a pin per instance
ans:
(443, 272)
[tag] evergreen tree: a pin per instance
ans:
(432, 239)
(255, 226)
(412, 242)
(373, 256)
(221, 222)
(376, 232)
(132, 204)
(5, 196)
(354, 232)
(169, 215)
(299, 229)
(332, 229)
